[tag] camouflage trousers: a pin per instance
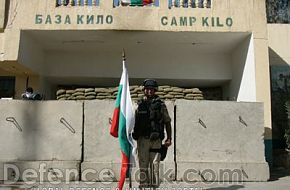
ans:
(148, 162)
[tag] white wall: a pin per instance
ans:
(2, 13)
(175, 64)
(212, 62)
(243, 84)
(30, 53)
(279, 44)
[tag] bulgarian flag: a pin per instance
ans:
(122, 125)
(137, 2)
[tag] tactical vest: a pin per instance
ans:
(149, 119)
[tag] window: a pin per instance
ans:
(7, 86)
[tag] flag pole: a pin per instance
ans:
(124, 55)
(130, 179)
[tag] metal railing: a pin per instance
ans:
(190, 3)
(67, 3)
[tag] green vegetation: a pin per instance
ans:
(287, 130)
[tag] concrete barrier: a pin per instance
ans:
(213, 136)
(40, 171)
(47, 131)
(168, 165)
(215, 141)
(102, 152)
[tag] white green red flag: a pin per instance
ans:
(137, 2)
(123, 124)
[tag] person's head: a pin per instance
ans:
(150, 87)
(281, 76)
(29, 89)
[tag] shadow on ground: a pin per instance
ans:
(277, 173)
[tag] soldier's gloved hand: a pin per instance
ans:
(167, 142)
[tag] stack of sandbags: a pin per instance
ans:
(106, 93)
(173, 93)
(136, 92)
(61, 94)
(193, 94)
(90, 94)
(165, 92)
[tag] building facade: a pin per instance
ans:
(205, 44)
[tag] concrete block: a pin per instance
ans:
(222, 171)
(110, 172)
(170, 153)
(37, 130)
(101, 150)
(39, 171)
(100, 171)
(220, 132)
(99, 145)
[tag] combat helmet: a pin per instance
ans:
(150, 83)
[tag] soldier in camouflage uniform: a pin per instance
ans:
(150, 119)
